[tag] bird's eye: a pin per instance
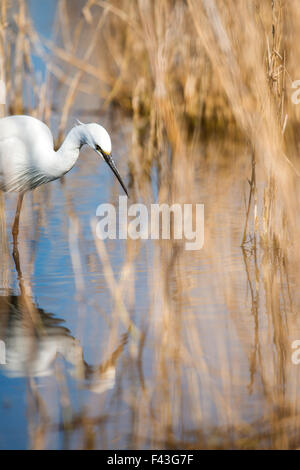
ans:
(98, 148)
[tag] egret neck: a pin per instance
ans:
(68, 152)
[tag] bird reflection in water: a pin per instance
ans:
(33, 343)
(34, 339)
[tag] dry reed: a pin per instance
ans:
(200, 81)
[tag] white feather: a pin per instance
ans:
(27, 156)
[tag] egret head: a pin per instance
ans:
(96, 137)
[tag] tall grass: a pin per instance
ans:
(200, 81)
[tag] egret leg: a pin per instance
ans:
(15, 228)
(15, 233)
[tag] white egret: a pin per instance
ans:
(28, 158)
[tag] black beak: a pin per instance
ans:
(113, 167)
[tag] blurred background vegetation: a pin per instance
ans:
(204, 90)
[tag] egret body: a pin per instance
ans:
(28, 158)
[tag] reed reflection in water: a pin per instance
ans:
(211, 365)
(150, 345)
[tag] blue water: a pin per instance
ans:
(75, 375)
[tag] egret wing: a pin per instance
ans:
(24, 142)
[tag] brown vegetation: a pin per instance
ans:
(201, 81)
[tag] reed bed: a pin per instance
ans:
(207, 89)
